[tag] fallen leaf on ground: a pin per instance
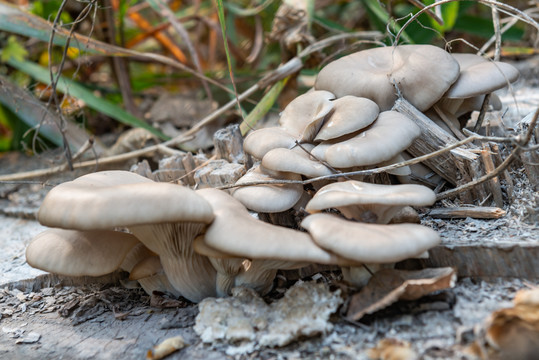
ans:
(392, 349)
(167, 347)
(511, 332)
(389, 285)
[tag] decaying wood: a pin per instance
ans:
(455, 165)
(485, 262)
(218, 173)
(179, 167)
(476, 212)
(509, 185)
(51, 280)
(228, 143)
(493, 184)
(530, 159)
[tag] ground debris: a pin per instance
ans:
(247, 323)
(166, 348)
(392, 349)
(388, 286)
(511, 332)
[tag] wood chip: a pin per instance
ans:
(476, 212)
(392, 349)
(166, 348)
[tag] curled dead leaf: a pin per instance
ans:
(392, 349)
(511, 333)
(167, 347)
(388, 286)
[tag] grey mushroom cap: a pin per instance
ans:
(259, 142)
(355, 198)
(422, 73)
(480, 76)
(164, 217)
(391, 133)
(235, 232)
(268, 198)
(79, 253)
(303, 117)
(109, 199)
(350, 114)
(369, 243)
(297, 160)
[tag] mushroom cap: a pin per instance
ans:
(109, 199)
(355, 199)
(480, 76)
(353, 192)
(259, 142)
(296, 160)
(238, 234)
(146, 267)
(268, 198)
(350, 114)
(423, 73)
(369, 243)
(304, 115)
(389, 135)
(79, 253)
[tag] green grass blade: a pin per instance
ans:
(78, 91)
(263, 106)
(382, 16)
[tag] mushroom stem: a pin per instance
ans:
(190, 273)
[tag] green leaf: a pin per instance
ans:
(263, 106)
(450, 13)
(78, 91)
(380, 17)
(13, 50)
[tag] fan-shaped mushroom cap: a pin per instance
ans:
(304, 115)
(350, 114)
(259, 142)
(296, 160)
(238, 234)
(479, 76)
(151, 276)
(267, 198)
(354, 198)
(369, 243)
(109, 199)
(423, 73)
(390, 134)
(79, 253)
(164, 217)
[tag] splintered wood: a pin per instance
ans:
(476, 212)
(224, 168)
(458, 166)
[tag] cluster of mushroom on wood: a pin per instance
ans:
(202, 243)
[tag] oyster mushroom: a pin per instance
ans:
(303, 116)
(422, 74)
(388, 136)
(368, 243)
(235, 233)
(79, 253)
(268, 198)
(164, 217)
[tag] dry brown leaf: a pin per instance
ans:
(392, 349)
(160, 300)
(511, 332)
(388, 286)
(167, 347)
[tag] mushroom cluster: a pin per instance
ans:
(202, 243)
